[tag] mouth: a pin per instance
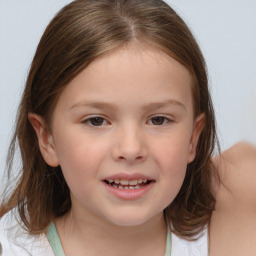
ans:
(124, 184)
(129, 186)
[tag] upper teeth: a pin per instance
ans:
(128, 182)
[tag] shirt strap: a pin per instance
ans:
(168, 246)
(54, 240)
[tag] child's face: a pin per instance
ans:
(128, 117)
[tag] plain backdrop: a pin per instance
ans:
(225, 30)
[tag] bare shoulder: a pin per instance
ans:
(233, 222)
(242, 155)
(237, 170)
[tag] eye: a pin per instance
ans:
(95, 121)
(159, 120)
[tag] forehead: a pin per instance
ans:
(143, 75)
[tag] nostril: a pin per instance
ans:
(131, 158)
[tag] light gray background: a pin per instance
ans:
(225, 30)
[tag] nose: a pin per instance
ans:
(129, 145)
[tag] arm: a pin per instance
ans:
(237, 170)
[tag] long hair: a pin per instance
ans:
(81, 32)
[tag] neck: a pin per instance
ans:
(99, 237)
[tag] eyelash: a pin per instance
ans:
(103, 121)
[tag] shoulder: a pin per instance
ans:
(242, 155)
(233, 221)
(15, 241)
(237, 170)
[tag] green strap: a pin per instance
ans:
(54, 240)
(55, 243)
(168, 246)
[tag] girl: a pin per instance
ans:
(116, 132)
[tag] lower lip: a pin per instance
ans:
(129, 194)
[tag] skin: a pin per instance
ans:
(233, 223)
(128, 141)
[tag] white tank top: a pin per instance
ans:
(182, 247)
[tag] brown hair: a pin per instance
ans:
(81, 32)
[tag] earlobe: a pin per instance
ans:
(197, 130)
(45, 139)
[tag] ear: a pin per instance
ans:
(197, 129)
(45, 139)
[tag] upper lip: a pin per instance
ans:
(124, 176)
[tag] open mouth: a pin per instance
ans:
(128, 184)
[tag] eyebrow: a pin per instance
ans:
(166, 103)
(146, 107)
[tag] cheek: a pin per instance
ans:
(173, 166)
(172, 176)
(171, 157)
(172, 151)
(79, 158)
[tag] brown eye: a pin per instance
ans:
(158, 120)
(96, 121)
